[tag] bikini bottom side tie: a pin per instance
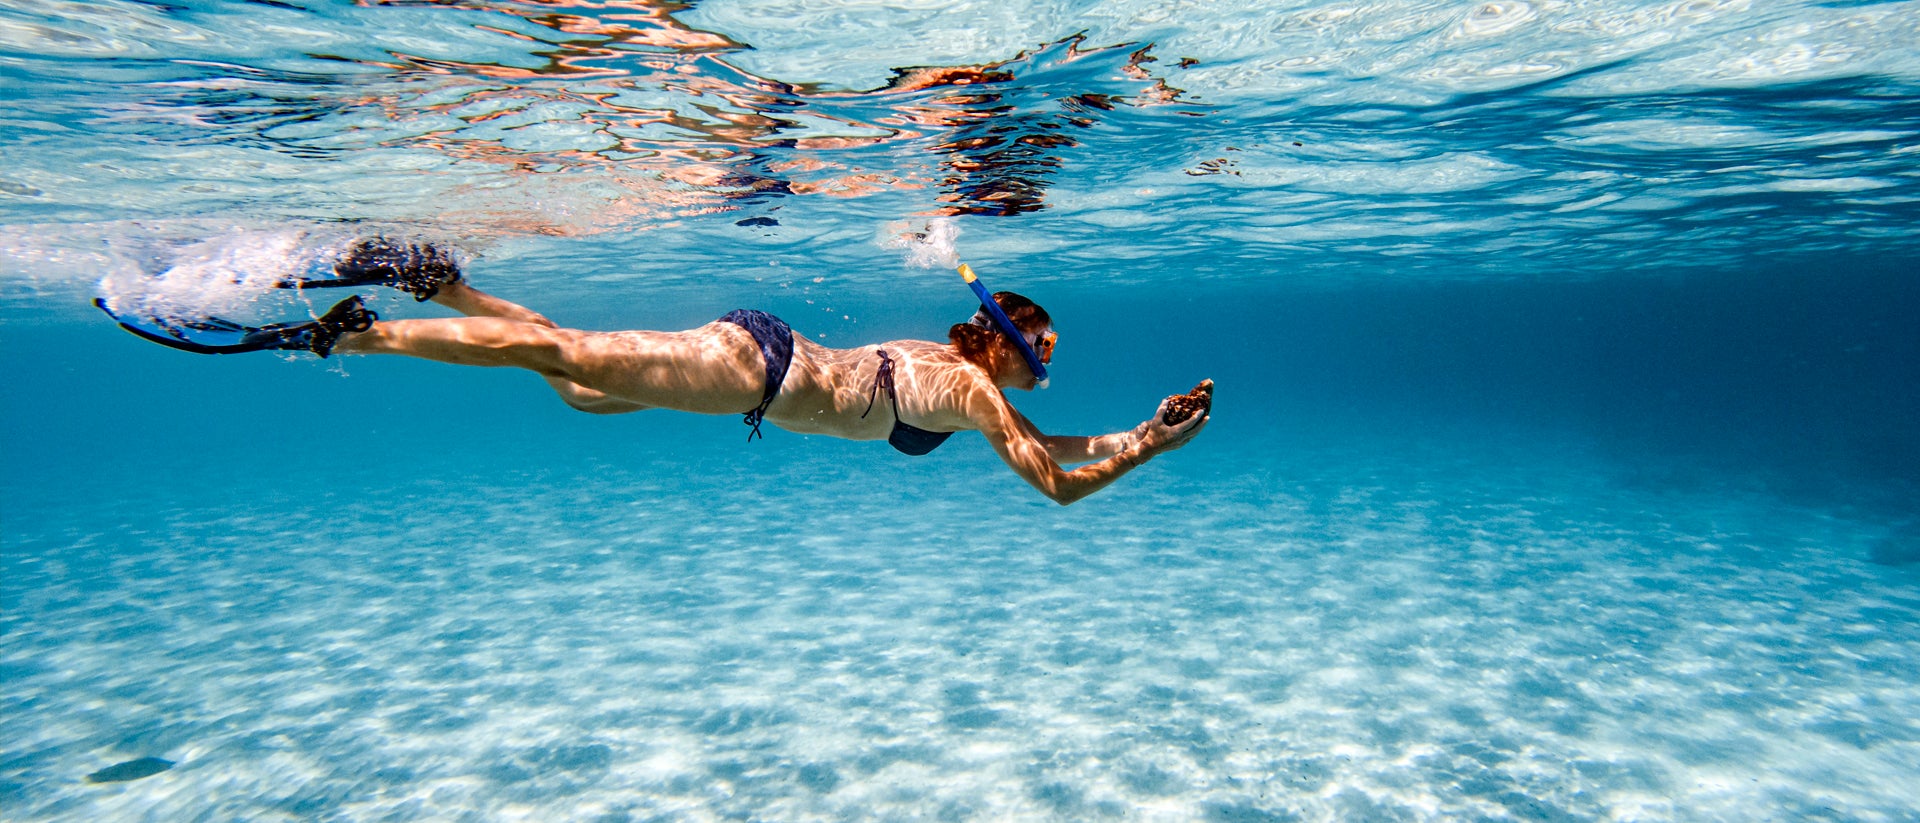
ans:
(776, 351)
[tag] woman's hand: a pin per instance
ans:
(1155, 437)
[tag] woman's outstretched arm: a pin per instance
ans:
(1030, 455)
(1068, 450)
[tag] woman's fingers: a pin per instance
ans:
(1187, 430)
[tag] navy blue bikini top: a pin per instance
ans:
(907, 439)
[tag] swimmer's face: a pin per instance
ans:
(1042, 344)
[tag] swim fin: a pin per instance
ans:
(213, 335)
(419, 269)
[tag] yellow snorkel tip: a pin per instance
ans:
(966, 273)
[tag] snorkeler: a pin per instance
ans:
(747, 361)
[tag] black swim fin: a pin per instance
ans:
(215, 336)
(419, 269)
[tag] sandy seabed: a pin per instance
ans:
(1446, 635)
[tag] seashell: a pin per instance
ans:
(1184, 406)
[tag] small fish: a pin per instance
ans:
(757, 221)
(130, 770)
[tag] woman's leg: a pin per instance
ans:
(472, 302)
(465, 299)
(714, 369)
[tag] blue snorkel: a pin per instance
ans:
(1006, 325)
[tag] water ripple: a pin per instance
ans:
(1562, 136)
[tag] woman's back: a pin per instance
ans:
(840, 392)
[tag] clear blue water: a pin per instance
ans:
(1564, 464)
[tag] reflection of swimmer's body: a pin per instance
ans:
(998, 145)
(995, 158)
(911, 393)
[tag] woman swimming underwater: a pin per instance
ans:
(748, 361)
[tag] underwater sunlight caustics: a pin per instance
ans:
(1567, 463)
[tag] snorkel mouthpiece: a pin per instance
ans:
(1007, 328)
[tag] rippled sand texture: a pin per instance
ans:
(1442, 636)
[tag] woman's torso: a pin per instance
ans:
(833, 391)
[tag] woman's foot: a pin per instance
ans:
(419, 269)
(317, 336)
(213, 335)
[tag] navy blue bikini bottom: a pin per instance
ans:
(776, 350)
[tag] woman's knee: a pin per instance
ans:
(600, 405)
(581, 398)
(555, 353)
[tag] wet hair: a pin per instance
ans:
(976, 342)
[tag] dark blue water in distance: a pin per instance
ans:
(1564, 463)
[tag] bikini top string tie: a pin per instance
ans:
(883, 379)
